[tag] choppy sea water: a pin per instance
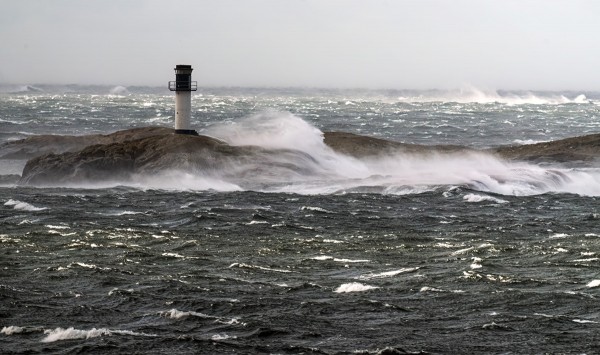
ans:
(463, 255)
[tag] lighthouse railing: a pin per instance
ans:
(183, 85)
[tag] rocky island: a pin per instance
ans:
(119, 156)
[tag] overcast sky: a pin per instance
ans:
(418, 44)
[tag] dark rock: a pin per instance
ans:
(39, 145)
(584, 149)
(363, 146)
(145, 151)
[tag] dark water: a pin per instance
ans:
(414, 261)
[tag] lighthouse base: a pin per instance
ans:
(186, 131)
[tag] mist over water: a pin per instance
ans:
(289, 253)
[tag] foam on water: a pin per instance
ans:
(10, 330)
(326, 257)
(23, 206)
(480, 198)
(385, 274)
(354, 287)
(472, 94)
(176, 314)
(329, 172)
(248, 266)
(57, 334)
(593, 283)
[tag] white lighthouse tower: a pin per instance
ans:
(183, 87)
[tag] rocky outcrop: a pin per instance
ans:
(362, 146)
(125, 154)
(44, 144)
(577, 150)
(121, 161)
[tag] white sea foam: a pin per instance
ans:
(173, 255)
(248, 266)
(584, 321)
(593, 283)
(56, 334)
(326, 257)
(176, 314)
(298, 161)
(23, 206)
(472, 94)
(433, 289)
(256, 222)
(481, 198)
(398, 173)
(119, 90)
(353, 287)
(385, 274)
(218, 337)
(558, 236)
(351, 260)
(476, 263)
(430, 289)
(13, 329)
(57, 227)
(316, 209)
(84, 265)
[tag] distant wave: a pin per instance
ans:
(470, 94)
(23, 206)
(354, 287)
(57, 334)
(119, 90)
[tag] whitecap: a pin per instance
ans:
(427, 289)
(256, 222)
(480, 198)
(88, 266)
(322, 257)
(387, 273)
(326, 257)
(334, 241)
(56, 227)
(354, 287)
(462, 251)
(593, 283)
(176, 314)
(476, 263)
(584, 321)
(173, 255)
(248, 266)
(316, 209)
(10, 330)
(72, 333)
(558, 235)
(23, 206)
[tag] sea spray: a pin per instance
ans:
(328, 171)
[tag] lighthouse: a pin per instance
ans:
(183, 87)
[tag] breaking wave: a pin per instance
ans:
(295, 159)
(326, 171)
(471, 94)
(23, 206)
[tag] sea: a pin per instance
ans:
(399, 254)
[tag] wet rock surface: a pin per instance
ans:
(149, 150)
